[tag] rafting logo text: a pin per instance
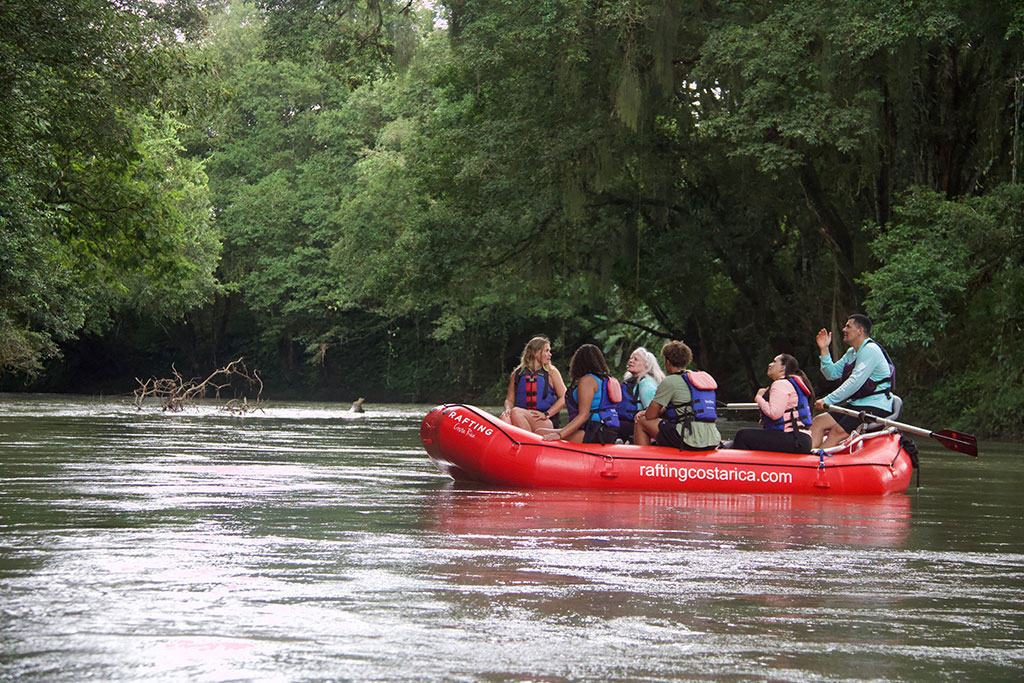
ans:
(468, 425)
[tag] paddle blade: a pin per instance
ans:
(957, 441)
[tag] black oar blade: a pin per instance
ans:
(958, 441)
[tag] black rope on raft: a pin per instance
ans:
(910, 448)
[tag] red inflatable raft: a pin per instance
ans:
(469, 444)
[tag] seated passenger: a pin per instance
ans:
(682, 413)
(639, 384)
(591, 400)
(536, 392)
(785, 411)
(868, 376)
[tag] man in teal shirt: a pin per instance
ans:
(868, 381)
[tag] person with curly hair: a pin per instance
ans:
(682, 413)
(590, 399)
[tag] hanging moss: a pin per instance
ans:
(664, 25)
(573, 197)
(628, 94)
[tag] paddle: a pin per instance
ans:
(738, 406)
(953, 440)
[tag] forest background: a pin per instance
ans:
(387, 199)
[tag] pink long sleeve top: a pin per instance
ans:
(782, 398)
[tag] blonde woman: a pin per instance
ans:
(536, 392)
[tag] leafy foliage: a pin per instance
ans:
(948, 292)
(98, 209)
(403, 203)
(927, 265)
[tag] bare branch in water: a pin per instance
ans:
(177, 393)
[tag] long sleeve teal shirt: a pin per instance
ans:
(648, 385)
(869, 363)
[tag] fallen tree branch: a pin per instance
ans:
(177, 393)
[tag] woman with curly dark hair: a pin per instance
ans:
(591, 400)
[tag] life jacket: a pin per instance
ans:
(630, 403)
(792, 419)
(702, 404)
(872, 387)
(605, 411)
(533, 390)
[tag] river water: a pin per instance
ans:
(306, 543)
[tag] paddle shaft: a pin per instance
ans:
(955, 441)
(739, 406)
(847, 411)
(875, 418)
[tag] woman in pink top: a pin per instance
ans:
(785, 411)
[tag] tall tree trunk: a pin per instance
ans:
(836, 235)
(883, 180)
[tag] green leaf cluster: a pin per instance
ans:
(402, 202)
(947, 295)
(99, 209)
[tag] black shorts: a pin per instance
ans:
(626, 430)
(849, 422)
(669, 436)
(772, 440)
(597, 432)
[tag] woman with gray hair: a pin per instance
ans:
(643, 374)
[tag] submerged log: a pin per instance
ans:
(176, 393)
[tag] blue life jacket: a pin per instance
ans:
(533, 390)
(793, 419)
(703, 401)
(630, 403)
(870, 386)
(602, 408)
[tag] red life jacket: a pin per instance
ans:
(534, 390)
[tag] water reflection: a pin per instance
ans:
(770, 520)
(301, 544)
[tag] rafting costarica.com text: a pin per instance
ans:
(714, 473)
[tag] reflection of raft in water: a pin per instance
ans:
(771, 518)
(469, 444)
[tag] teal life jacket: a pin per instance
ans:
(602, 407)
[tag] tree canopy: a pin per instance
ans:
(387, 199)
(100, 210)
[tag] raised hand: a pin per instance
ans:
(824, 339)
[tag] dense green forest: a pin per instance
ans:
(387, 199)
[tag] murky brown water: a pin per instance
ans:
(303, 543)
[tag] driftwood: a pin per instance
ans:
(177, 393)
